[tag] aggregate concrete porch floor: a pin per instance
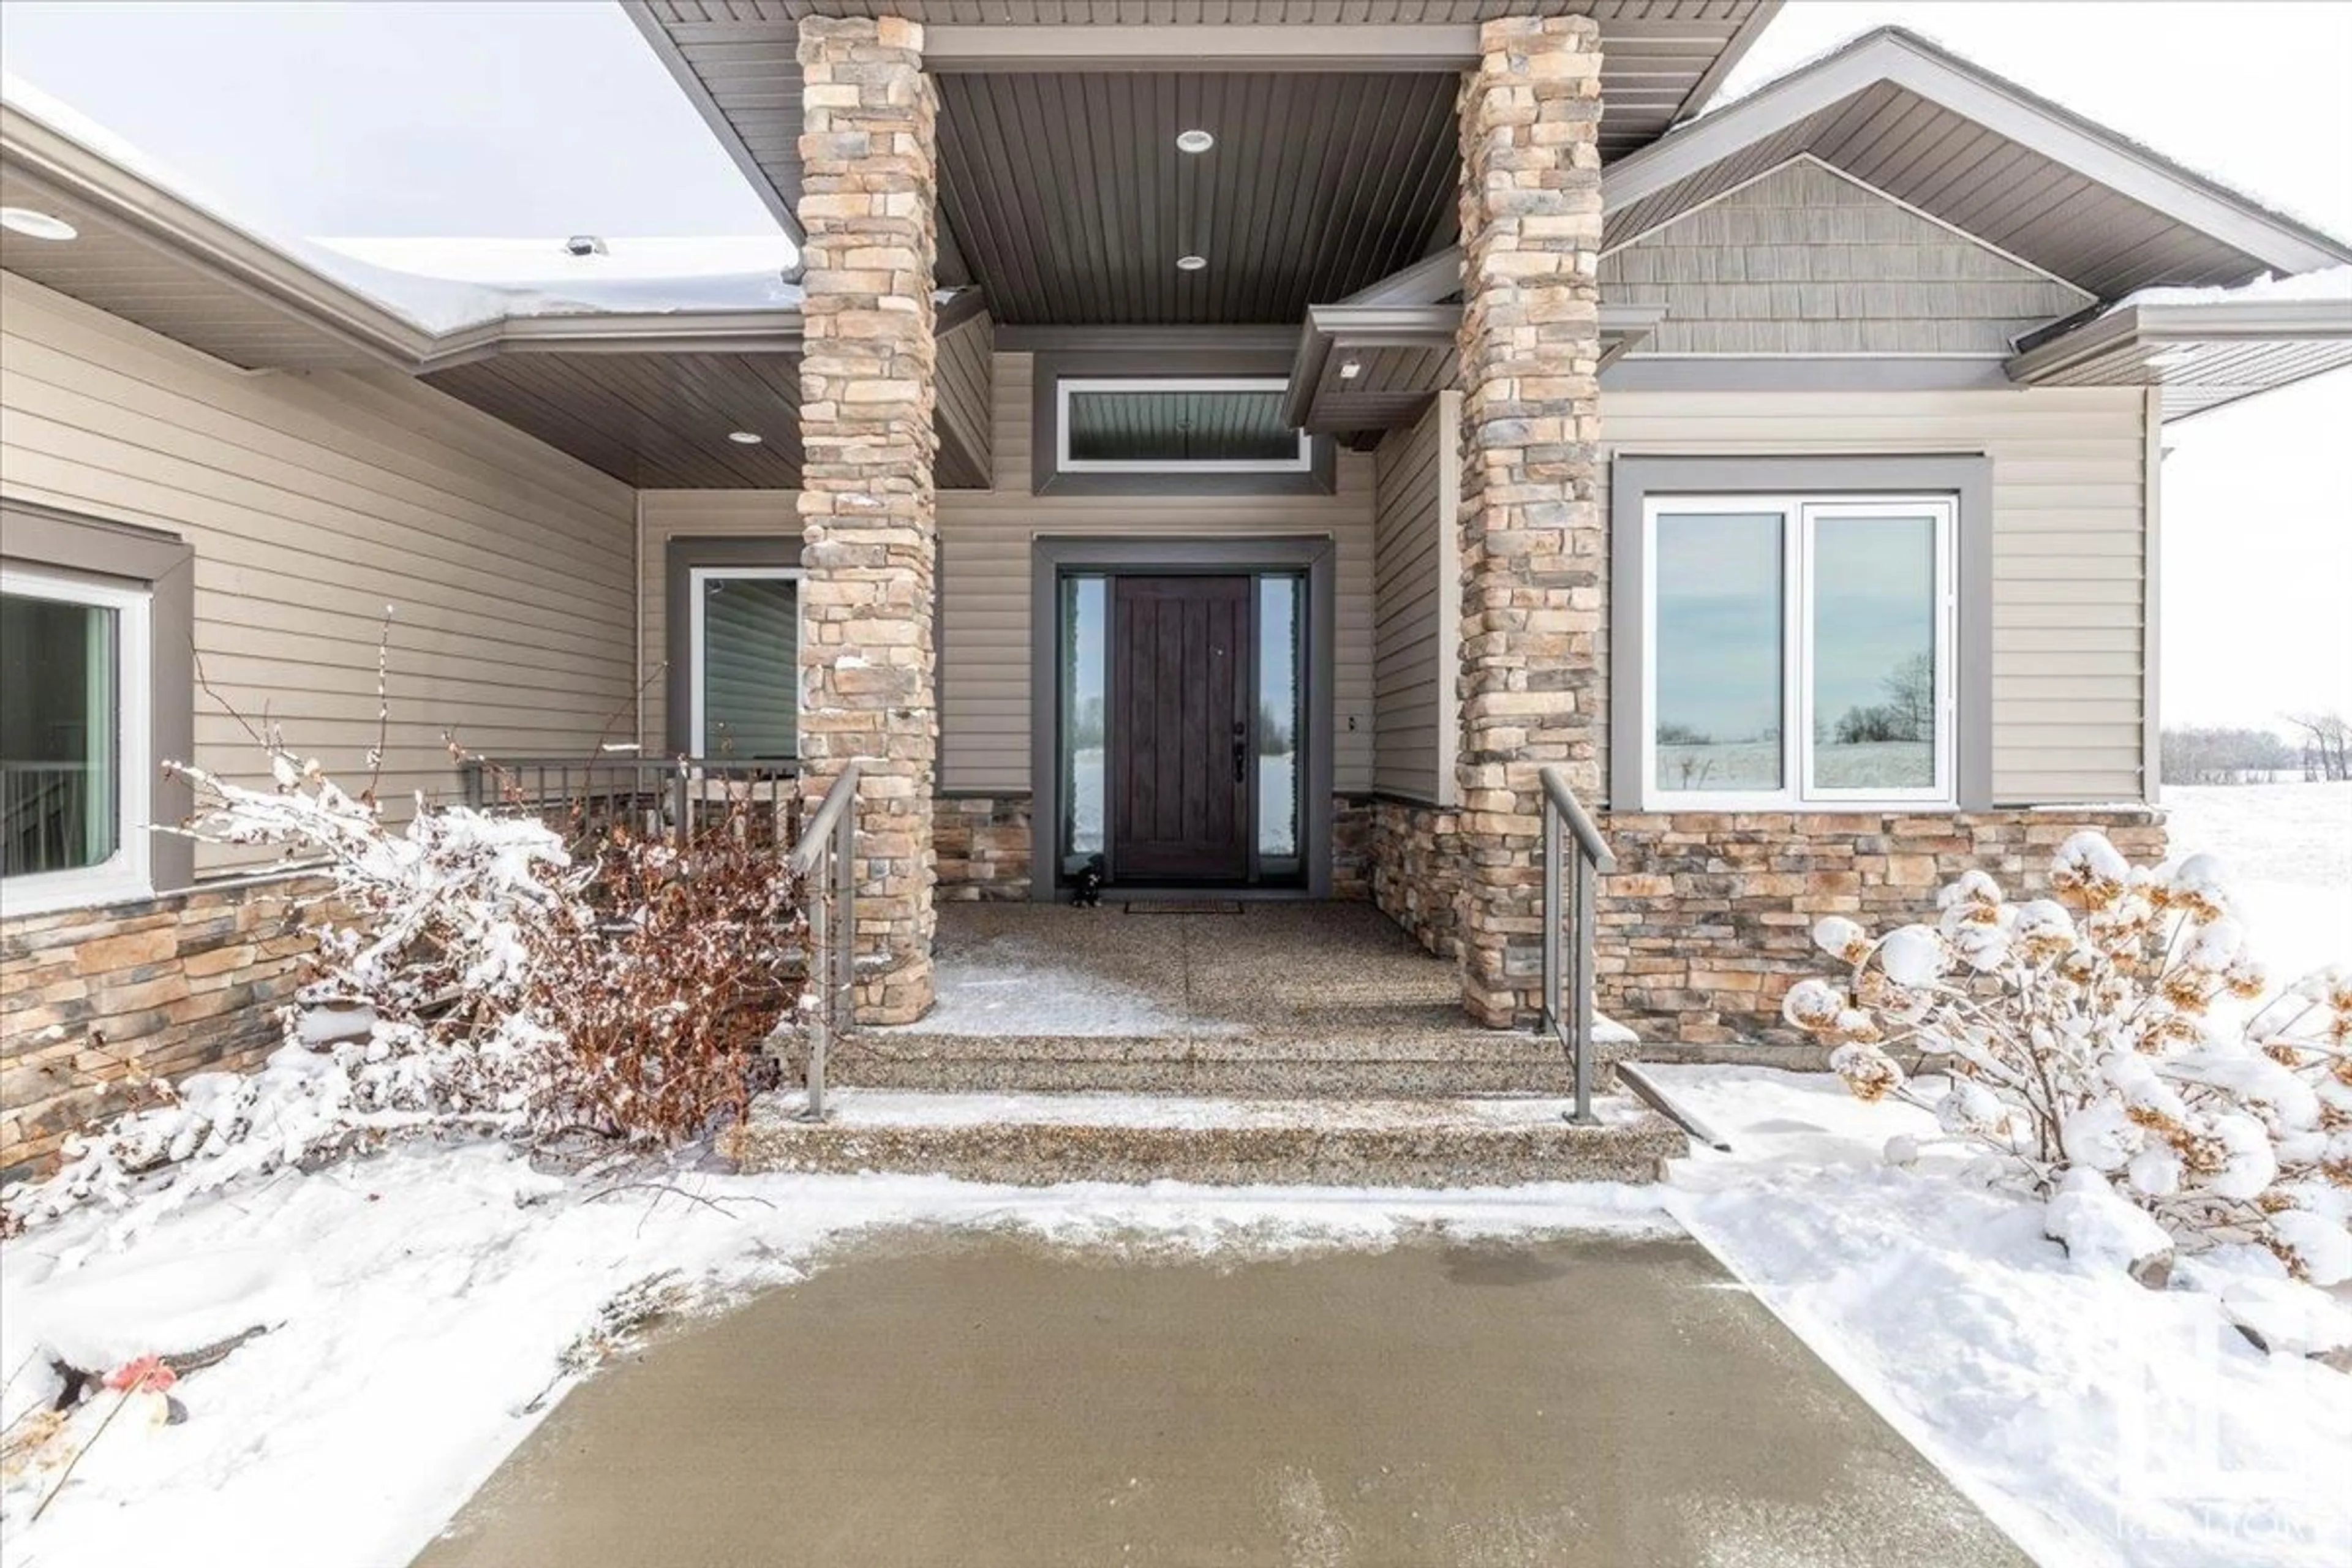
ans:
(989, 1402)
(1271, 970)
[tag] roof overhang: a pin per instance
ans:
(1360, 368)
(1981, 155)
(650, 396)
(1055, 188)
(2203, 353)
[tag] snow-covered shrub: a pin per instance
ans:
(2119, 1028)
(470, 973)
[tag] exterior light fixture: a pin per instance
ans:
(1351, 369)
(1191, 263)
(745, 438)
(36, 225)
(1194, 141)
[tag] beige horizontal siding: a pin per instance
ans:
(1808, 262)
(691, 514)
(986, 541)
(2070, 540)
(314, 499)
(1409, 662)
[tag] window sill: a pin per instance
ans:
(51, 894)
(1750, 806)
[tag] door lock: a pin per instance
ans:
(1240, 751)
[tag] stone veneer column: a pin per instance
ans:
(1532, 534)
(867, 510)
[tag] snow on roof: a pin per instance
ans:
(538, 276)
(441, 285)
(2330, 284)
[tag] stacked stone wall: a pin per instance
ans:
(1532, 531)
(1707, 921)
(867, 510)
(93, 1000)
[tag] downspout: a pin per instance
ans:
(2152, 604)
(638, 599)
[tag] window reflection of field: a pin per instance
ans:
(1739, 766)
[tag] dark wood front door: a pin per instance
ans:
(1180, 731)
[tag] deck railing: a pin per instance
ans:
(44, 817)
(652, 796)
(826, 859)
(1574, 854)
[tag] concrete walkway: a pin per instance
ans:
(986, 1402)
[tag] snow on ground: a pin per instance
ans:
(441, 1286)
(2289, 850)
(2099, 1423)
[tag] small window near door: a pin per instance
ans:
(73, 732)
(745, 643)
(1280, 721)
(1085, 679)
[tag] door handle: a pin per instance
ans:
(1240, 751)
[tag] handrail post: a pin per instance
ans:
(1580, 900)
(844, 871)
(1552, 1020)
(820, 1022)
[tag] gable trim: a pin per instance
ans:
(1818, 162)
(1905, 60)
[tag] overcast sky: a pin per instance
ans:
(547, 117)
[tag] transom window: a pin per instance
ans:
(1200, 426)
(1801, 650)
(746, 663)
(74, 664)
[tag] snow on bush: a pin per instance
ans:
(2119, 1031)
(470, 973)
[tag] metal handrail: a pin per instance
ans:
(1568, 890)
(826, 859)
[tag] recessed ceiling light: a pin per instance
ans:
(1191, 263)
(1351, 369)
(745, 438)
(1194, 141)
(36, 225)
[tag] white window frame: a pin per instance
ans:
(1303, 461)
(1800, 514)
(127, 873)
(695, 577)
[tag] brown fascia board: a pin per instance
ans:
(1735, 50)
(689, 82)
(1904, 59)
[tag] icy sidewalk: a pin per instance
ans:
(2097, 1422)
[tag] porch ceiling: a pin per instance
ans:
(657, 421)
(1061, 190)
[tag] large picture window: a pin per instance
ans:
(1801, 650)
(74, 769)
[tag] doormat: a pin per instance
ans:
(1184, 907)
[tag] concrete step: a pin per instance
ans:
(1261, 1063)
(1038, 1140)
